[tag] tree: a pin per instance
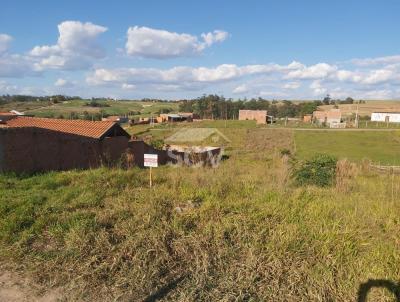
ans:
(327, 99)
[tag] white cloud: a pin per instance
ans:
(240, 89)
(5, 41)
(6, 88)
(215, 36)
(377, 61)
(76, 47)
(182, 74)
(311, 81)
(128, 86)
(317, 88)
(292, 85)
(64, 83)
(160, 44)
(378, 76)
(317, 71)
(15, 66)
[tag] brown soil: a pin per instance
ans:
(15, 287)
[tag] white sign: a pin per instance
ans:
(151, 160)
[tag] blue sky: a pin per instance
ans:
(183, 49)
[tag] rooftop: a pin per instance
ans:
(78, 127)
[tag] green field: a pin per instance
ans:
(381, 147)
(43, 109)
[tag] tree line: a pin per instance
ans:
(217, 107)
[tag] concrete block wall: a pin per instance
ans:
(260, 116)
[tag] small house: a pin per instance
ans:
(260, 116)
(388, 117)
(30, 144)
(333, 116)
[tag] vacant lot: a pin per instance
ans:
(241, 232)
(378, 146)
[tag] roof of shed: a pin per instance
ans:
(91, 129)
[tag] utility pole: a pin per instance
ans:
(358, 103)
(226, 113)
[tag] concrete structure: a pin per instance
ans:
(176, 117)
(327, 117)
(175, 154)
(116, 119)
(389, 117)
(337, 125)
(5, 116)
(260, 116)
(37, 144)
(193, 155)
(307, 118)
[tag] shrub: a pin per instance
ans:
(157, 144)
(319, 170)
(286, 152)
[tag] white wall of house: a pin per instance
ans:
(381, 117)
(333, 120)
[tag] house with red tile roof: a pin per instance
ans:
(91, 129)
(30, 144)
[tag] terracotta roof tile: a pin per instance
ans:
(77, 127)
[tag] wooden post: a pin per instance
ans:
(150, 178)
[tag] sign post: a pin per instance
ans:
(151, 160)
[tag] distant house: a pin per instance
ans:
(307, 118)
(260, 116)
(333, 116)
(29, 144)
(17, 112)
(116, 119)
(389, 117)
(176, 117)
(5, 116)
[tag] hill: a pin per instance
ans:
(78, 107)
(365, 109)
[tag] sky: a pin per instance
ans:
(184, 49)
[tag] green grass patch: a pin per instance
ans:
(378, 146)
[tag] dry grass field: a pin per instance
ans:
(367, 108)
(241, 232)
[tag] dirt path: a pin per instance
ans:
(14, 287)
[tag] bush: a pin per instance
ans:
(319, 170)
(157, 144)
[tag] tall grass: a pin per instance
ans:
(241, 232)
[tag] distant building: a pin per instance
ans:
(389, 117)
(5, 116)
(333, 116)
(307, 118)
(17, 112)
(116, 119)
(176, 117)
(260, 116)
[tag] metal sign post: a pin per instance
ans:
(150, 160)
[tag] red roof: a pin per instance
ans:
(7, 113)
(77, 127)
